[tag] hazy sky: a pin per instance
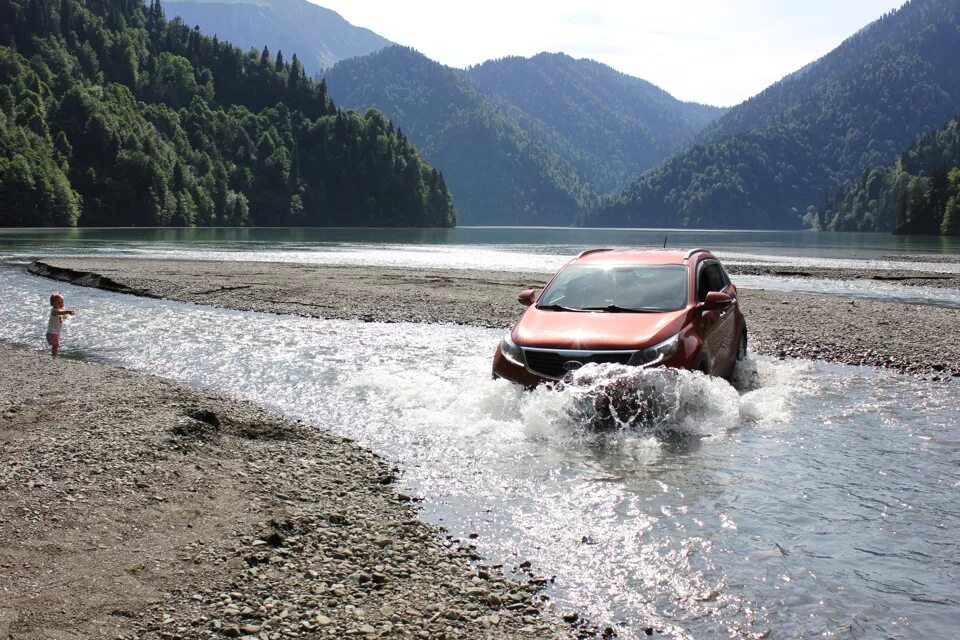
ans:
(714, 51)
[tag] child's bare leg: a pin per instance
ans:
(55, 350)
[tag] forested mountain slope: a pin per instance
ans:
(502, 166)
(320, 37)
(619, 124)
(919, 193)
(773, 160)
(111, 115)
(522, 141)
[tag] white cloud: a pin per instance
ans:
(709, 51)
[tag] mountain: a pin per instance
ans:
(772, 161)
(111, 116)
(522, 141)
(502, 166)
(919, 193)
(619, 124)
(320, 37)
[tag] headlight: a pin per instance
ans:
(511, 351)
(657, 353)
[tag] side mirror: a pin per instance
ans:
(717, 300)
(527, 297)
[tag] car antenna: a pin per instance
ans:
(664, 242)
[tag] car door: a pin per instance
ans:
(718, 326)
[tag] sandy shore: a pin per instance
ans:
(904, 337)
(132, 507)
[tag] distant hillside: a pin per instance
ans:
(501, 166)
(619, 124)
(112, 116)
(520, 141)
(320, 37)
(919, 193)
(772, 161)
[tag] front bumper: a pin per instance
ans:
(515, 372)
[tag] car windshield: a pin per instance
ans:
(637, 288)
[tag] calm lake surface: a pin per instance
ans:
(546, 240)
(536, 250)
(805, 500)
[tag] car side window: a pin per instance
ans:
(711, 279)
(726, 277)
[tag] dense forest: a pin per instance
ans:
(522, 141)
(319, 36)
(919, 193)
(772, 161)
(619, 125)
(502, 168)
(111, 115)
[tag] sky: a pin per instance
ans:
(711, 51)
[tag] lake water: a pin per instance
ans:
(523, 249)
(508, 248)
(809, 500)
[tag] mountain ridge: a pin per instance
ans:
(622, 124)
(319, 36)
(773, 160)
(505, 163)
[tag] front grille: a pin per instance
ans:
(550, 364)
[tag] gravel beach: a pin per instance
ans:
(904, 337)
(133, 507)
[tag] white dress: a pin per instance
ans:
(53, 325)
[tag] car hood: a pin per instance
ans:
(595, 330)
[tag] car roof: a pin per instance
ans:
(637, 256)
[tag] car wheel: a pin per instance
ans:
(703, 367)
(742, 346)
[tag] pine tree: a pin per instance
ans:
(951, 218)
(294, 80)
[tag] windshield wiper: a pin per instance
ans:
(613, 308)
(555, 307)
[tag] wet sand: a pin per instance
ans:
(133, 507)
(910, 338)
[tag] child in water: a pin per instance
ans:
(57, 315)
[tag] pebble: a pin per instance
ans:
(318, 547)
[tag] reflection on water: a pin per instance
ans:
(804, 248)
(806, 500)
(780, 243)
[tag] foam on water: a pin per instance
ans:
(701, 508)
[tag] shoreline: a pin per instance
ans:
(135, 507)
(908, 338)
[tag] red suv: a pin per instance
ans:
(646, 308)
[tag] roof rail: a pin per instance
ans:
(589, 251)
(693, 251)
